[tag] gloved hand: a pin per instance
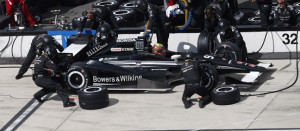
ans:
(170, 9)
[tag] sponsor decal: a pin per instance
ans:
(96, 49)
(121, 49)
(252, 65)
(108, 59)
(122, 78)
(138, 64)
(90, 62)
(239, 62)
(158, 69)
(126, 40)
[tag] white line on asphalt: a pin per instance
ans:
(22, 116)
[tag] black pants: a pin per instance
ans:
(162, 34)
(49, 86)
(265, 10)
(234, 6)
(30, 57)
(198, 17)
(191, 90)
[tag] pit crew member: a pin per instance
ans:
(44, 71)
(192, 75)
(285, 15)
(96, 16)
(13, 5)
(37, 45)
(265, 7)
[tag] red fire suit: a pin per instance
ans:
(24, 9)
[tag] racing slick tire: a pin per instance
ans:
(112, 5)
(205, 44)
(229, 51)
(77, 76)
(131, 5)
(125, 15)
(93, 98)
(225, 95)
(211, 78)
(72, 2)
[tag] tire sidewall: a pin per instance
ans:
(230, 96)
(211, 78)
(231, 47)
(77, 69)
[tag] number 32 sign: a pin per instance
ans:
(290, 38)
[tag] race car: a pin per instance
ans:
(129, 64)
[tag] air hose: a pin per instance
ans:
(188, 16)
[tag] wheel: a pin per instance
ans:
(127, 16)
(93, 98)
(229, 51)
(73, 2)
(255, 20)
(211, 78)
(225, 95)
(205, 43)
(112, 5)
(77, 76)
(133, 6)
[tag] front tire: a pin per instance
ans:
(211, 76)
(77, 76)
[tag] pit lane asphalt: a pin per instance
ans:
(159, 110)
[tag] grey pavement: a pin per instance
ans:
(159, 110)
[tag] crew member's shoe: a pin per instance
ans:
(19, 76)
(69, 104)
(200, 101)
(187, 104)
(38, 99)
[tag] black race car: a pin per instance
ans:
(129, 64)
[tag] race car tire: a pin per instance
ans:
(72, 2)
(225, 95)
(77, 76)
(131, 5)
(255, 20)
(112, 5)
(205, 44)
(126, 16)
(229, 51)
(211, 78)
(93, 98)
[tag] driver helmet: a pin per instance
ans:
(224, 28)
(158, 49)
(103, 32)
(50, 51)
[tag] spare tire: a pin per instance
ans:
(112, 5)
(226, 95)
(229, 51)
(211, 78)
(93, 98)
(127, 16)
(205, 44)
(133, 6)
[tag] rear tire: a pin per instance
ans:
(133, 6)
(93, 98)
(229, 51)
(226, 95)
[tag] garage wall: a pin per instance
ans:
(274, 42)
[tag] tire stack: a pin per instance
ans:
(93, 98)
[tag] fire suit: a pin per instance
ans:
(265, 7)
(36, 49)
(13, 5)
(284, 17)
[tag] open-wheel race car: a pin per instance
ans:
(129, 64)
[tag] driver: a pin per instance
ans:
(192, 74)
(98, 15)
(37, 45)
(43, 76)
(228, 33)
(158, 49)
